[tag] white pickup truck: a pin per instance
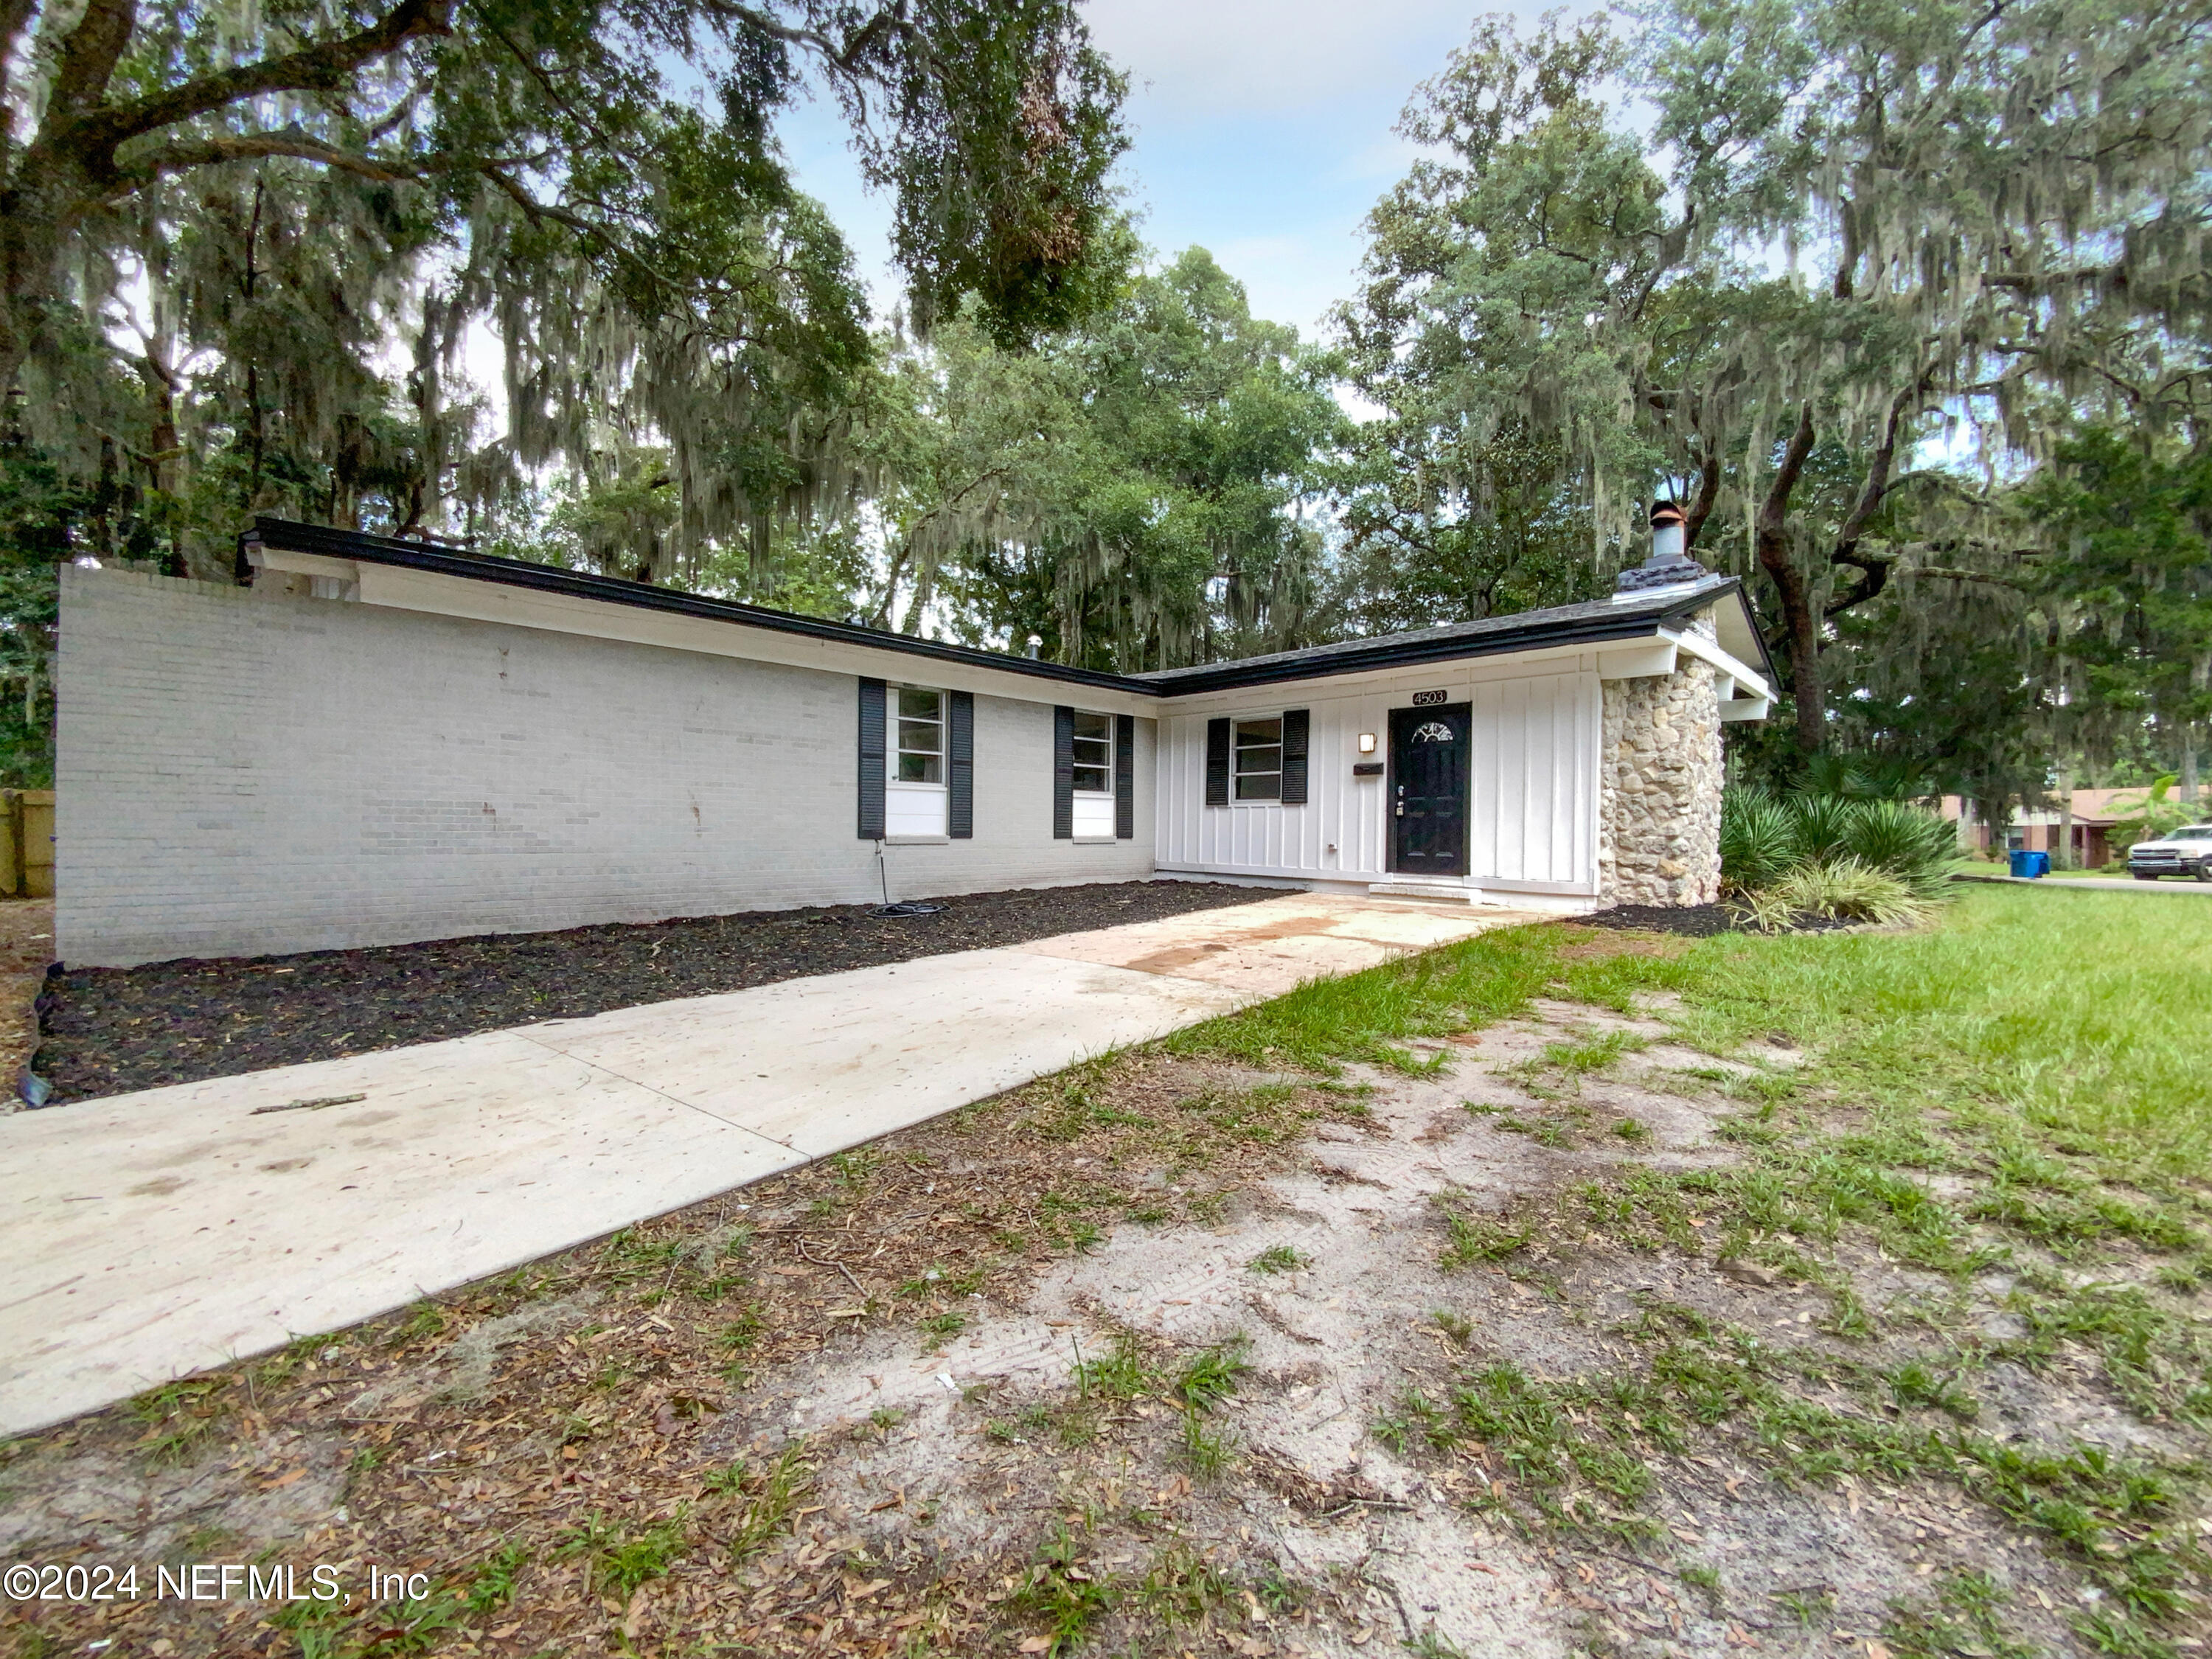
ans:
(2186, 852)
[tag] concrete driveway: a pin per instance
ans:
(150, 1235)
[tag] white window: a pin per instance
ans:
(920, 736)
(1258, 760)
(915, 793)
(1094, 776)
(1094, 754)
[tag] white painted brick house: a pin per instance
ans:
(374, 742)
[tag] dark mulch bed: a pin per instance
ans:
(113, 1030)
(1697, 920)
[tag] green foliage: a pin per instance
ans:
(2131, 504)
(1563, 310)
(619, 1557)
(246, 249)
(182, 1416)
(1842, 889)
(1126, 492)
(765, 1500)
(2150, 814)
(1476, 1238)
(1210, 1375)
(1873, 859)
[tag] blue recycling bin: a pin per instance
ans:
(2029, 865)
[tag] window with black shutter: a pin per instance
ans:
(1297, 726)
(1063, 774)
(1125, 777)
(960, 739)
(1217, 763)
(872, 759)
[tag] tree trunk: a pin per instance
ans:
(1801, 628)
(2200, 672)
(2065, 858)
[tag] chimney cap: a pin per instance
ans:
(1672, 569)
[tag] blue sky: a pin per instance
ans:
(1262, 131)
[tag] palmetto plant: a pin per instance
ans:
(1874, 859)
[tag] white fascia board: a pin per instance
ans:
(1639, 661)
(303, 564)
(438, 595)
(1746, 678)
(1448, 673)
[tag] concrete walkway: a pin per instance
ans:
(150, 1235)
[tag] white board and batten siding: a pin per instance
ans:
(1534, 765)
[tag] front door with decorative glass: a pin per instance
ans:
(1428, 789)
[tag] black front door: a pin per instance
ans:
(1428, 790)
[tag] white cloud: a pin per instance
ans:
(1213, 58)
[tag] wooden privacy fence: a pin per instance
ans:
(26, 842)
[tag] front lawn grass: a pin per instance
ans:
(2090, 1019)
(2017, 1099)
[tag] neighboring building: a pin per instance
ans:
(375, 742)
(2045, 829)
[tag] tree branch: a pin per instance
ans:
(254, 146)
(1708, 490)
(1771, 541)
(90, 55)
(14, 15)
(1953, 574)
(846, 59)
(324, 67)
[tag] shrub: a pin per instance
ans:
(1758, 840)
(2153, 814)
(1850, 891)
(1866, 858)
(1907, 841)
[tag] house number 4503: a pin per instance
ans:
(1426, 699)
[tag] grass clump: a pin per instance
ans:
(1278, 1258)
(1961, 1618)
(618, 1556)
(763, 1499)
(180, 1416)
(1476, 1238)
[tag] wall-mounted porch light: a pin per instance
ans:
(1366, 742)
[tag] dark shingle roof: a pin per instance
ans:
(1600, 623)
(1597, 621)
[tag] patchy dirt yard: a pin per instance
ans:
(27, 945)
(1558, 1336)
(113, 1029)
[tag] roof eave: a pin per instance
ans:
(1592, 629)
(287, 536)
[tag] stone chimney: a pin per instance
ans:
(1668, 565)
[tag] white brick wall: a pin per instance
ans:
(240, 774)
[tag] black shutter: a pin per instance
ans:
(960, 770)
(872, 759)
(1063, 774)
(1217, 763)
(1296, 723)
(1125, 777)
